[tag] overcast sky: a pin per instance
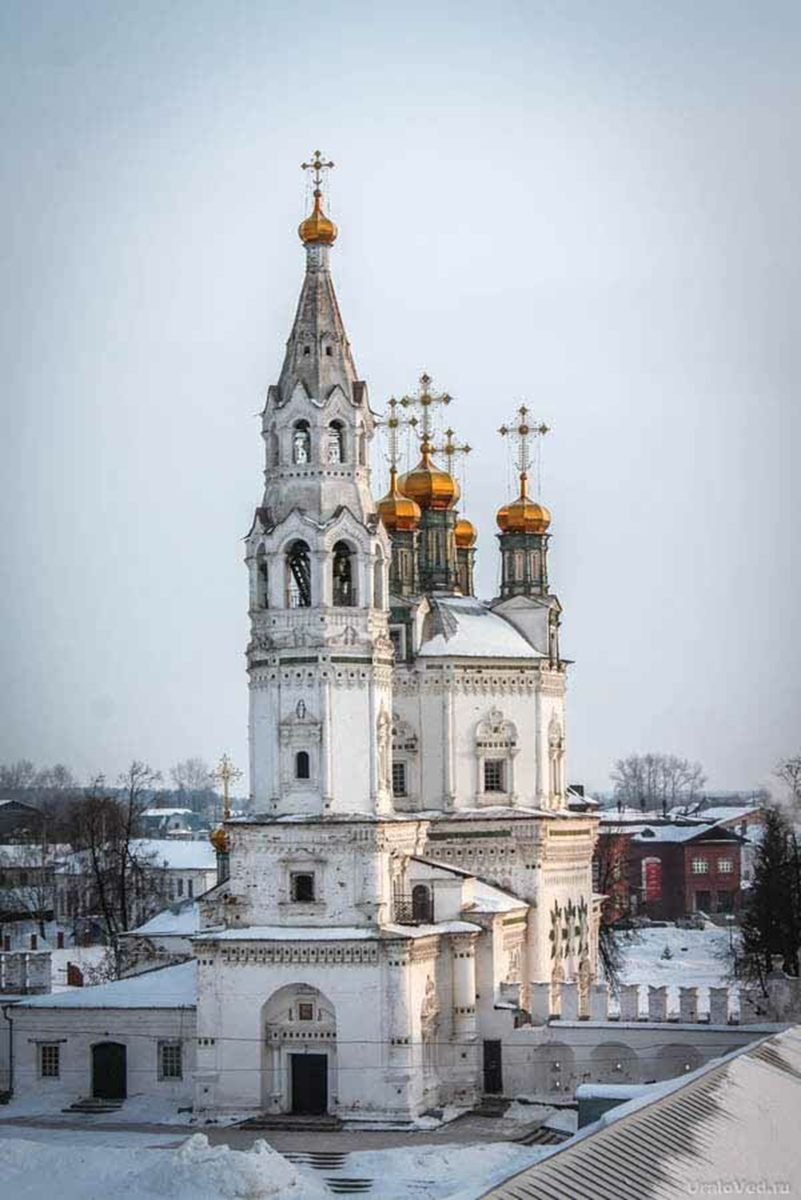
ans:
(590, 206)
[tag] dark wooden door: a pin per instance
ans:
(309, 1083)
(493, 1068)
(109, 1071)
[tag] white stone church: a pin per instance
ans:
(412, 865)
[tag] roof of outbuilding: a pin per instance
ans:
(167, 987)
(736, 1119)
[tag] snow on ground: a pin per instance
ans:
(107, 1166)
(698, 958)
(433, 1172)
(194, 1171)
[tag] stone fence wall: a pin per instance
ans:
(779, 1002)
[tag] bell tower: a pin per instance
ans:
(319, 657)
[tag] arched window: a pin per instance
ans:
(362, 449)
(274, 452)
(336, 442)
(301, 442)
(344, 590)
(298, 565)
(302, 765)
(262, 590)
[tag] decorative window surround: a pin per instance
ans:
(496, 741)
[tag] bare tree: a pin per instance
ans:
(194, 779)
(657, 781)
(120, 880)
(789, 771)
(16, 777)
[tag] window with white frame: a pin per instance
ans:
(725, 866)
(50, 1061)
(171, 1064)
(496, 748)
(700, 866)
(494, 775)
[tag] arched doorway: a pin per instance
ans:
(109, 1071)
(300, 1057)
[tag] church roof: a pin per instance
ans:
(463, 627)
(332, 933)
(489, 899)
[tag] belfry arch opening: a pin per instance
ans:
(336, 442)
(298, 571)
(301, 443)
(343, 572)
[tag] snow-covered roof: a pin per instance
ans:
(332, 933)
(29, 854)
(167, 987)
(466, 628)
(489, 899)
(166, 812)
(180, 919)
(683, 833)
(734, 1119)
(179, 855)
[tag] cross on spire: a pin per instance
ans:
(393, 422)
(521, 431)
(318, 165)
(449, 448)
(227, 773)
(424, 399)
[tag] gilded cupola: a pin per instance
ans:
(397, 511)
(428, 485)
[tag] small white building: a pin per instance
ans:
(135, 1037)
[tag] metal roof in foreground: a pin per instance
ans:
(732, 1128)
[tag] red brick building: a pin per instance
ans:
(667, 869)
(675, 871)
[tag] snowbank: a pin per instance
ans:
(195, 1171)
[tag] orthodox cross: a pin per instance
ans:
(226, 773)
(424, 399)
(318, 165)
(522, 431)
(393, 423)
(449, 448)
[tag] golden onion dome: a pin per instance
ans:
(428, 485)
(397, 511)
(219, 840)
(523, 515)
(317, 228)
(465, 533)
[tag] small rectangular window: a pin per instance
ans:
(700, 866)
(305, 1012)
(399, 778)
(190, 888)
(50, 1061)
(171, 1060)
(303, 888)
(180, 887)
(725, 866)
(494, 775)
